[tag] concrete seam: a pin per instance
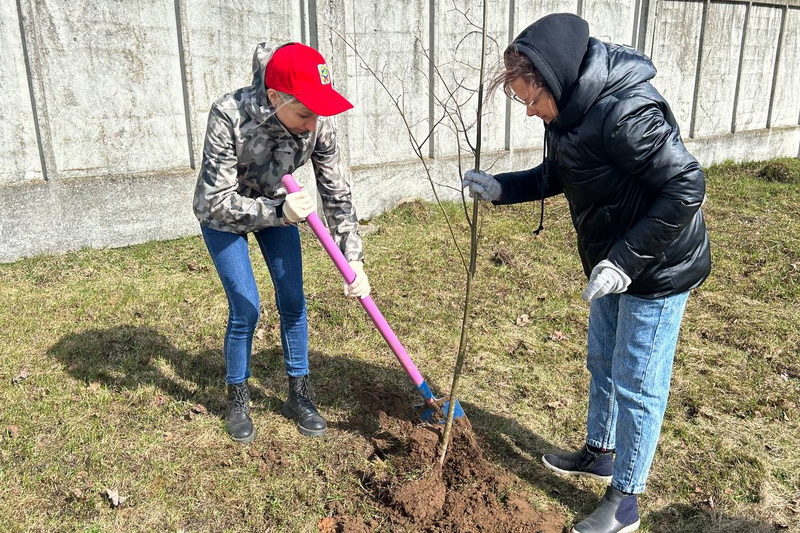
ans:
(313, 30)
(431, 78)
(512, 7)
(642, 24)
(303, 22)
(739, 71)
(184, 59)
(41, 123)
(776, 69)
(698, 69)
(787, 3)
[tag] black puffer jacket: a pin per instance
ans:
(615, 152)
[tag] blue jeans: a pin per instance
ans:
(631, 348)
(280, 247)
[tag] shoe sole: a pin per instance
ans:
(303, 431)
(605, 479)
(627, 529)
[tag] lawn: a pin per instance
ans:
(111, 377)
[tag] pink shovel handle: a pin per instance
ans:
(349, 275)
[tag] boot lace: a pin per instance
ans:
(304, 393)
(241, 399)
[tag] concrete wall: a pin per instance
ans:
(105, 101)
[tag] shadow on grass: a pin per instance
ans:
(127, 357)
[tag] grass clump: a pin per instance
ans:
(781, 171)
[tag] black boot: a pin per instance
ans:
(300, 408)
(237, 419)
(617, 513)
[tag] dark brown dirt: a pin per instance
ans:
(467, 494)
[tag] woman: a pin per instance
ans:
(255, 136)
(613, 148)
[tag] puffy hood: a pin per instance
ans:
(607, 69)
(555, 44)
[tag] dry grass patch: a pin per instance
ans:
(111, 372)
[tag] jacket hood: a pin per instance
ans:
(556, 45)
(258, 105)
(607, 69)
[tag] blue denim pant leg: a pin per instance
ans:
(281, 250)
(280, 247)
(231, 259)
(631, 349)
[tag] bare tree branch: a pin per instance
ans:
(416, 146)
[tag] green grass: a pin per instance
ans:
(106, 354)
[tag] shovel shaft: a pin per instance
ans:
(369, 306)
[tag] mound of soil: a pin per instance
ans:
(467, 494)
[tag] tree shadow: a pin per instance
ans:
(127, 357)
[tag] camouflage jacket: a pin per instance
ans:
(246, 153)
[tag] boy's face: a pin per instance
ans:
(295, 117)
(539, 101)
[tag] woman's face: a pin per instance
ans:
(538, 101)
(295, 117)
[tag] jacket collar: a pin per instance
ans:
(607, 68)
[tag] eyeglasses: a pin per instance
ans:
(510, 94)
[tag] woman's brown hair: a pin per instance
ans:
(515, 65)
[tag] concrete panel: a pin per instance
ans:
(458, 50)
(611, 20)
(403, 181)
(722, 46)
(753, 145)
(526, 132)
(106, 77)
(96, 213)
(17, 130)
(529, 11)
(113, 86)
(786, 107)
(220, 40)
(390, 37)
(675, 41)
(758, 65)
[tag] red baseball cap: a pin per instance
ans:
(301, 71)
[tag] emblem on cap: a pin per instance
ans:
(324, 75)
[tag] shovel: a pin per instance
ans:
(432, 408)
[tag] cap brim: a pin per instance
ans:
(325, 103)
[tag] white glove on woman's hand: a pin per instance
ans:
(606, 278)
(360, 286)
(297, 206)
(481, 185)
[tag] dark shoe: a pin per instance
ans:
(237, 418)
(584, 462)
(617, 513)
(300, 408)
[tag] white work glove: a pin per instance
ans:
(481, 185)
(297, 206)
(606, 278)
(360, 286)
